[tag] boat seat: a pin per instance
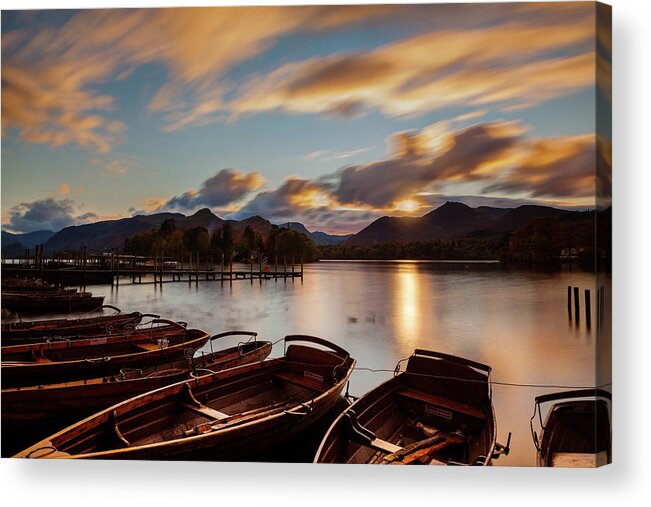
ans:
(439, 401)
(308, 383)
(207, 411)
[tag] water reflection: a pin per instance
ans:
(514, 320)
(408, 306)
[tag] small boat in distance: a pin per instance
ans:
(576, 433)
(64, 360)
(437, 412)
(32, 413)
(233, 415)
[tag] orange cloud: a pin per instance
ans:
(505, 64)
(553, 167)
(49, 75)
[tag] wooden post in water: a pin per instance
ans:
(285, 268)
(221, 269)
(588, 315)
(251, 268)
(230, 262)
(569, 301)
(301, 269)
(577, 305)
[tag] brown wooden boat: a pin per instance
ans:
(62, 360)
(32, 413)
(31, 285)
(438, 412)
(576, 433)
(43, 302)
(233, 415)
(26, 332)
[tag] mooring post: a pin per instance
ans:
(221, 268)
(301, 268)
(285, 268)
(577, 305)
(588, 316)
(230, 268)
(251, 268)
(569, 301)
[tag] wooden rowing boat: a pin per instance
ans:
(45, 302)
(27, 332)
(576, 433)
(65, 360)
(439, 411)
(32, 413)
(233, 415)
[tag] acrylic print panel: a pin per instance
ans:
(334, 234)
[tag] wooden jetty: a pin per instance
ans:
(143, 275)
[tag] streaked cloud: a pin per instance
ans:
(514, 65)
(290, 199)
(51, 73)
(222, 189)
(553, 167)
(419, 161)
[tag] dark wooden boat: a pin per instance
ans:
(24, 332)
(576, 433)
(233, 415)
(438, 412)
(31, 285)
(32, 413)
(43, 302)
(64, 360)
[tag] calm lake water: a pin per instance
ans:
(514, 320)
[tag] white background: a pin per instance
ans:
(626, 482)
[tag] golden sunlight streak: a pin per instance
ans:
(408, 300)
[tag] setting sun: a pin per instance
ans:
(407, 205)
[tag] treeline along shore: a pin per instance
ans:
(453, 231)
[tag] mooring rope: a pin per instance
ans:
(491, 382)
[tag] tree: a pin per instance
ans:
(197, 240)
(168, 227)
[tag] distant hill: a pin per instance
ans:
(319, 238)
(452, 220)
(202, 218)
(107, 234)
(15, 244)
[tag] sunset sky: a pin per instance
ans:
(331, 116)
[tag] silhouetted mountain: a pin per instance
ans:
(15, 244)
(319, 238)
(453, 220)
(202, 218)
(256, 222)
(107, 234)
(522, 215)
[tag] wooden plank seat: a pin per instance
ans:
(206, 411)
(306, 382)
(441, 402)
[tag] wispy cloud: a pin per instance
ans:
(514, 64)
